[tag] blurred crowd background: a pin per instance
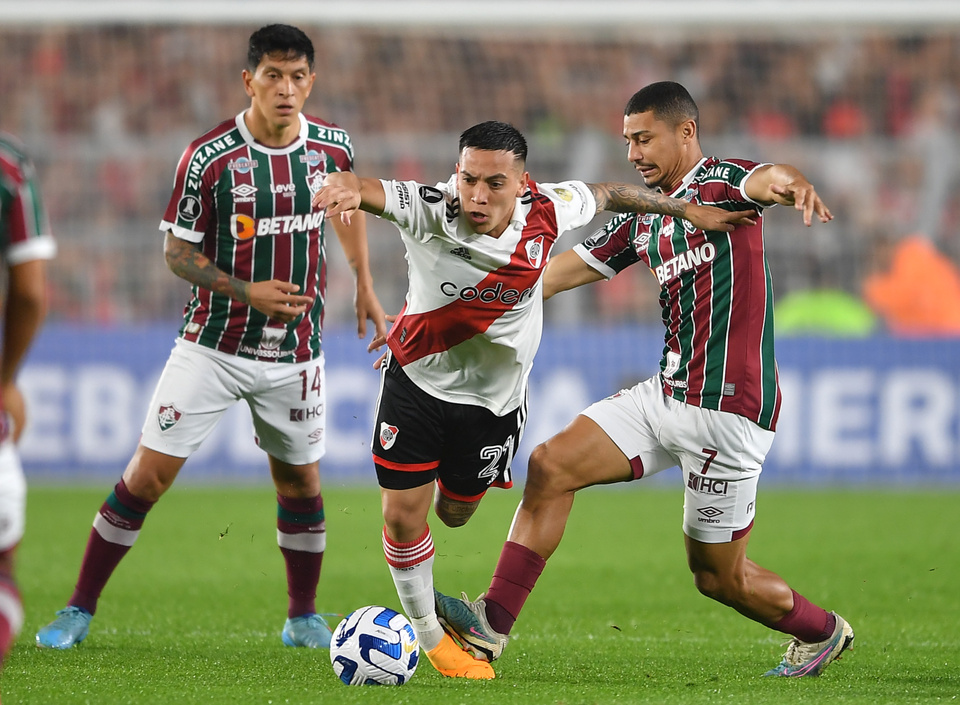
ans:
(871, 117)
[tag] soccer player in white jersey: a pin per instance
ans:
(25, 246)
(453, 389)
(240, 227)
(712, 409)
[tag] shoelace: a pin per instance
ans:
(799, 652)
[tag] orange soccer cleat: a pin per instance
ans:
(454, 662)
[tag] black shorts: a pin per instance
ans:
(418, 438)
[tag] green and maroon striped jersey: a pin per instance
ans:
(716, 294)
(24, 227)
(248, 207)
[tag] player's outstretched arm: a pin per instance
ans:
(631, 198)
(567, 271)
(784, 184)
(344, 193)
(275, 299)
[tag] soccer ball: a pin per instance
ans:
(374, 646)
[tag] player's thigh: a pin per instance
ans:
(194, 391)
(581, 455)
(13, 496)
(629, 420)
(408, 432)
(288, 405)
(721, 457)
(725, 560)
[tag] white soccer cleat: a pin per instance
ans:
(467, 622)
(803, 659)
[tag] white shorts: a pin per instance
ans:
(198, 385)
(720, 455)
(13, 496)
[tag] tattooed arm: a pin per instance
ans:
(273, 298)
(630, 198)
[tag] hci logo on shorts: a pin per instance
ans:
(388, 435)
(167, 416)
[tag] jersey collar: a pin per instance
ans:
(688, 179)
(248, 137)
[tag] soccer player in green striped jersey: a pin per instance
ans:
(712, 409)
(240, 227)
(25, 246)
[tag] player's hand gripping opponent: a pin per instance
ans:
(715, 219)
(339, 195)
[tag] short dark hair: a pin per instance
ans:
(669, 102)
(283, 39)
(495, 136)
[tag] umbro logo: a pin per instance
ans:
(461, 252)
(243, 190)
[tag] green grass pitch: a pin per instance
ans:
(194, 612)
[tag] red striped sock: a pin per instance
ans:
(411, 567)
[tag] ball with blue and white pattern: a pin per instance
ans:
(374, 645)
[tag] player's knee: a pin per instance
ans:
(146, 485)
(720, 587)
(149, 474)
(546, 471)
(395, 521)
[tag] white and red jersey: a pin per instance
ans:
(716, 294)
(473, 316)
(248, 206)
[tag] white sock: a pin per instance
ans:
(411, 565)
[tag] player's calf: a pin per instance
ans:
(453, 512)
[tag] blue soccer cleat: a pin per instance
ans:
(466, 622)
(308, 630)
(803, 659)
(67, 630)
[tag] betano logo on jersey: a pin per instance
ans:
(685, 261)
(243, 227)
